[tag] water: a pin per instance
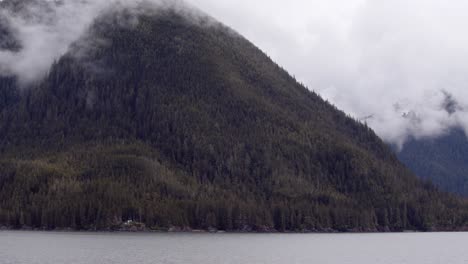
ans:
(107, 248)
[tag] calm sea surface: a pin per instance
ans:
(103, 248)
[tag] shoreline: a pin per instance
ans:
(198, 231)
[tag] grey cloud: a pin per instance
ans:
(45, 29)
(367, 57)
(44, 32)
(400, 65)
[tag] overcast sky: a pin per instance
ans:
(396, 60)
(403, 63)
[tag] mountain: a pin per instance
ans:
(442, 160)
(172, 120)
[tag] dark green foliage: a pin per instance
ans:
(441, 160)
(173, 123)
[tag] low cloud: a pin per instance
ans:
(45, 29)
(399, 65)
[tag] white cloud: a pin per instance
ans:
(382, 58)
(44, 35)
(367, 57)
(46, 31)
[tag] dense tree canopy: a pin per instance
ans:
(172, 122)
(441, 160)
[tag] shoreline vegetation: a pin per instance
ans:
(137, 227)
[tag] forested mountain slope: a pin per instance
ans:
(443, 160)
(174, 121)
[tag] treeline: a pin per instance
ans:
(172, 123)
(102, 187)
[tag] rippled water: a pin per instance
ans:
(103, 248)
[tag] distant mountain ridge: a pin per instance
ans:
(442, 160)
(180, 123)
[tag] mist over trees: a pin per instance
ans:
(173, 123)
